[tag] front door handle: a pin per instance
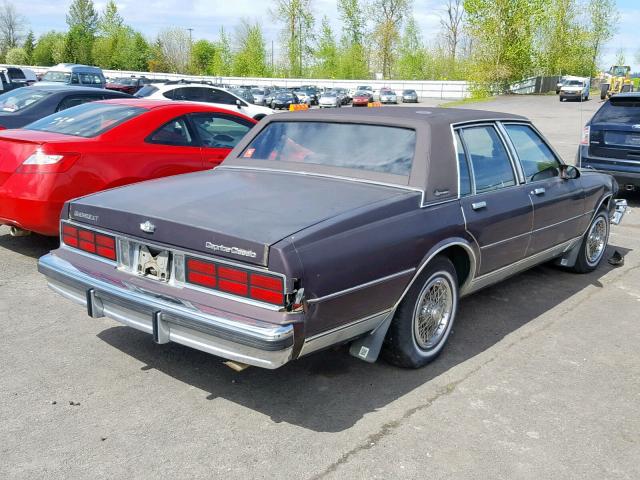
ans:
(479, 205)
(538, 191)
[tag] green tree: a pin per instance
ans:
(250, 58)
(353, 55)
(412, 54)
(386, 31)
(202, 56)
(29, 46)
(603, 18)
(78, 46)
(110, 21)
(175, 46)
(82, 13)
(326, 52)
(222, 61)
(48, 49)
(297, 19)
(502, 32)
(16, 56)
(12, 26)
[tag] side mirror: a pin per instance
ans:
(569, 172)
(238, 104)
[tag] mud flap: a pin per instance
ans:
(570, 257)
(368, 348)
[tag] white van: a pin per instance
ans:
(575, 88)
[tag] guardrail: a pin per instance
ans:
(445, 89)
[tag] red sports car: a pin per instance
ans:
(362, 99)
(100, 145)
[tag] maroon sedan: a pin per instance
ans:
(128, 85)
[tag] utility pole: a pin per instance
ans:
(189, 64)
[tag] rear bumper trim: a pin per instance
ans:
(260, 344)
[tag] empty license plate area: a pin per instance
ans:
(154, 263)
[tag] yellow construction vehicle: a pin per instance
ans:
(616, 80)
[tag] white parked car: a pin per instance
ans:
(330, 99)
(303, 97)
(203, 93)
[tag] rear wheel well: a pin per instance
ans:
(461, 261)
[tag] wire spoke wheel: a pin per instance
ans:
(433, 312)
(596, 241)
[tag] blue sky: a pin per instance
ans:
(207, 16)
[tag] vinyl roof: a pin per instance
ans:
(421, 115)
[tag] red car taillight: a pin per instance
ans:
(245, 283)
(41, 162)
(2, 127)
(91, 242)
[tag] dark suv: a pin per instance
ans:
(611, 140)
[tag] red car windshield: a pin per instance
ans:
(87, 120)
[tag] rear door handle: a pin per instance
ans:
(538, 191)
(479, 205)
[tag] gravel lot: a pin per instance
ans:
(541, 379)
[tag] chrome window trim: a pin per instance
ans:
(514, 170)
(174, 281)
(325, 175)
(360, 287)
(513, 154)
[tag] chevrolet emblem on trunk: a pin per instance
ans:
(147, 227)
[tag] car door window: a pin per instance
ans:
(489, 159)
(176, 133)
(74, 79)
(221, 97)
(537, 160)
(219, 131)
(75, 100)
(463, 168)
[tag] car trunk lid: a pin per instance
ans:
(236, 214)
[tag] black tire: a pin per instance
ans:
(401, 346)
(604, 88)
(586, 262)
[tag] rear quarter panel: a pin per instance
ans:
(364, 247)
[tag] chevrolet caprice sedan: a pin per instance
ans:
(332, 227)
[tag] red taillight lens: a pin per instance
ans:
(237, 281)
(88, 241)
(584, 140)
(2, 127)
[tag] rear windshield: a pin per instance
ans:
(62, 77)
(574, 83)
(87, 120)
(21, 98)
(365, 147)
(625, 111)
(126, 81)
(146, 91)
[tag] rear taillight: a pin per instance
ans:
(41, 162)
(236, 281)
(584, 140)
(2, 127)
(89, 241)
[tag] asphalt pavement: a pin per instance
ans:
(540, 380)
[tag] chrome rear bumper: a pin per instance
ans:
(255, 343)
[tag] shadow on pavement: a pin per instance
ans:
(330, 391)
(31, 246)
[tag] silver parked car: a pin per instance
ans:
(388, 96)
(409, 96)
(260, 95)
(330, 99)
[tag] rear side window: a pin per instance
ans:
(90, 79)
(534, 155)
(146, 91)
(75, 100)
(619, 110)
(176, 133)
(490, 162)
(21, 98)
(87, 120)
